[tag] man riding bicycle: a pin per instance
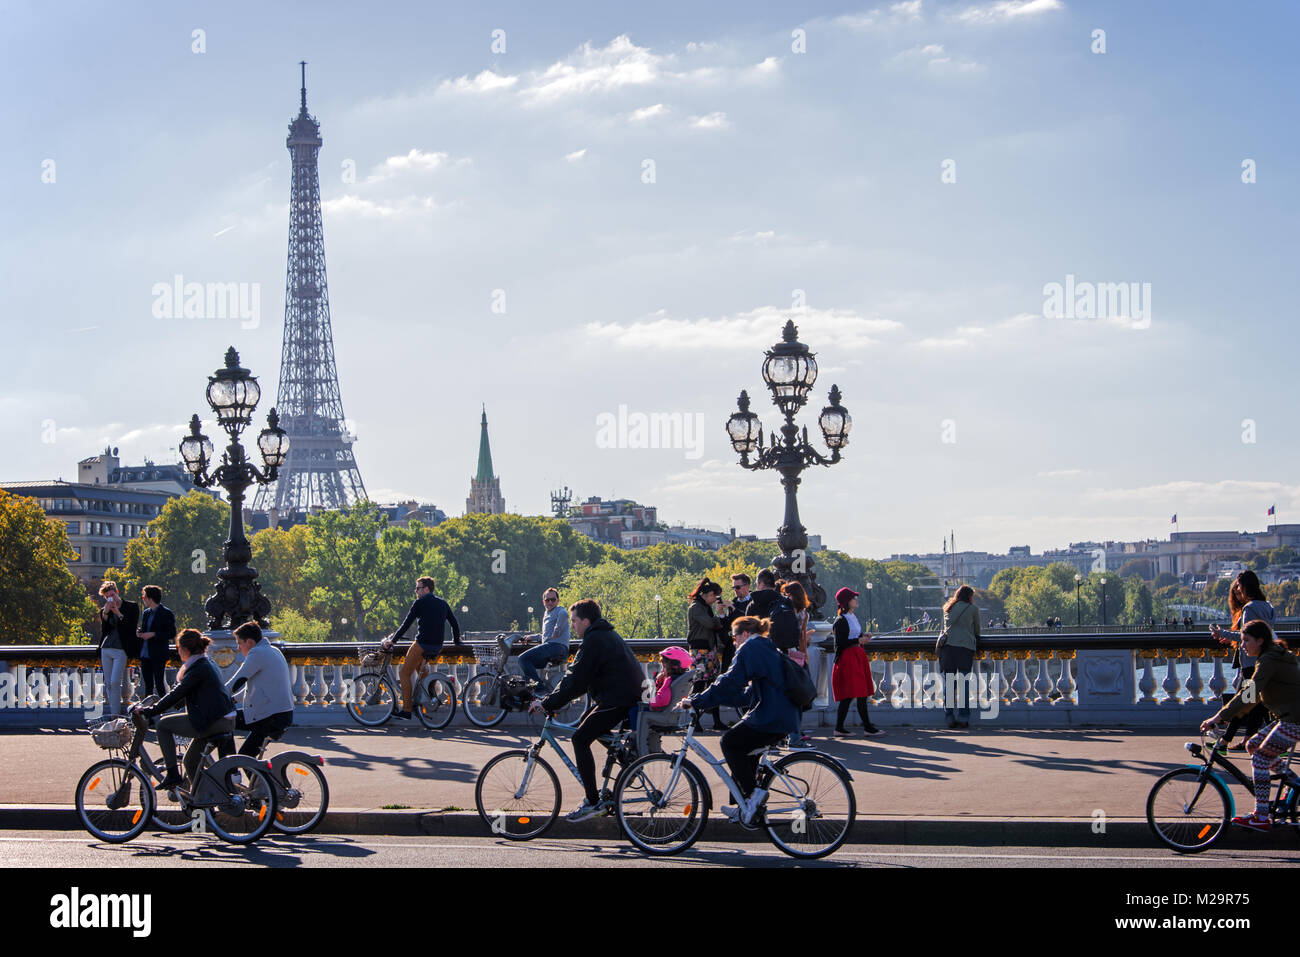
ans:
(433, 614)
(267, 694)
(607, 670)
(554, 648)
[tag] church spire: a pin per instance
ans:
(485, 487)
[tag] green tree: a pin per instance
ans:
(629, 601)
(293, 626)
(1142, 567)
(280, 557)
(42, 602)
(1038, 600)
(1138, 605)
(181, 554)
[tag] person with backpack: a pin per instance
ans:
(956, 646)
(756, 679)
(671, 685)
(1246, 603)
(851, 673)
(703, 636)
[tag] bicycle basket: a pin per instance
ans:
(489, 655)
(371, 658)
(113, 734)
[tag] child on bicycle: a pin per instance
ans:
(671, 684)
(1275, 684)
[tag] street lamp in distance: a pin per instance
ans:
(1078, 600)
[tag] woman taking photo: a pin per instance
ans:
(957, 643)
(851, 674)
(1246, 603)
(704, 637)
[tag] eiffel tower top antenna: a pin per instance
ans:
(303, 64)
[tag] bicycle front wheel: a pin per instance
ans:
(810, 805)
(114, 800)
(656, 814)
(518, 817)
(483, 704)
(438, 706)
(1187, 813)
(303, 799)
(373, 699)
(248, 806)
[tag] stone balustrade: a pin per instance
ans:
(1133, 679)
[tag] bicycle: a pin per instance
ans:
(233, 796)
(804, 800)
(374, 693)
(302, 794)
(1189, 808)
(518, 794)
(492, 693)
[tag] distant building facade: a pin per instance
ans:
(485, 488)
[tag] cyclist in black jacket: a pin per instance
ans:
(607, 670)
(433, 614)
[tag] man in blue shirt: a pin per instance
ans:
(554, 648)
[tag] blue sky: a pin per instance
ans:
(775, 171)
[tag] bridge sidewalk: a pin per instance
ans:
(913, 785)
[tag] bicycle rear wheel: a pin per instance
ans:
(373, 699)
(438, 706)
(248, 808)
(522, 817)
(572, 713)
(303, 798)
(114, 800)
(482, 703)
(657, 815)
(810, 806)
(1187, 813)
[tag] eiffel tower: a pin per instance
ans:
(321, 470)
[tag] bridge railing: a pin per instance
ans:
(1153, 679)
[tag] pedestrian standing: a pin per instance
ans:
(956, 645)
(851, 673)
(703, 636)
(156, 633)
(1246, 603)
(117, 642)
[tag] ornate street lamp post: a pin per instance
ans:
(1103, 602)
(790, 370)
(871, 614)
(233, 394)
(1078, 601)
(659, 631)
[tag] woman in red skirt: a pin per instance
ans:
(851, 674)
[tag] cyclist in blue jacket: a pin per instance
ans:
(754, 680)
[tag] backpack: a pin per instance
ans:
(799, 687)
(784, 630)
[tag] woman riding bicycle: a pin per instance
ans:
(754, 678)
(209, 710)
(1275, 684)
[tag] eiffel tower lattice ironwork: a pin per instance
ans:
(321, 469)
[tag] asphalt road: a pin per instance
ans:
(60, 849)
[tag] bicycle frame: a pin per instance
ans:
(1215, 757)
(204, 783)
(611, 742)
(748, 806)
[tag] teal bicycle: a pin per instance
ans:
(518, 793)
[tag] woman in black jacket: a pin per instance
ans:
(704, 631)
(209, 709)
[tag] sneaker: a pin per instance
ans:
(169, 783)
(1253, 823)
(805, 741)
(586, 812)
(403, 715)
(872, 729)
(843, 733)
(731, 812)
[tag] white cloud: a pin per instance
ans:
(1185, 495)
(485, 82)
(1005, 10)
(647, 113)
(908, 11)
(352, 205)
(1060, 473)
(760, 238)
(595, 69)
(416, 160)
(713, 121)
(661, 333)
(575, 155)
(769, 66)
(936, 58)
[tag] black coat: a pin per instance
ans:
(163, 625)
(202, 690)
(125, 629)
(605, 668)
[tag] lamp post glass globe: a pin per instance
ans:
(744, 428)
(233, 393)
(196, 450)
(835, 422)
(273, 442)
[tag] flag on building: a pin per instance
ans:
(1271, 509)
(1174, 520)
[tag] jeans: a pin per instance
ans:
(113, 661)
(956, 664)
(179, 723)
(549, 653)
